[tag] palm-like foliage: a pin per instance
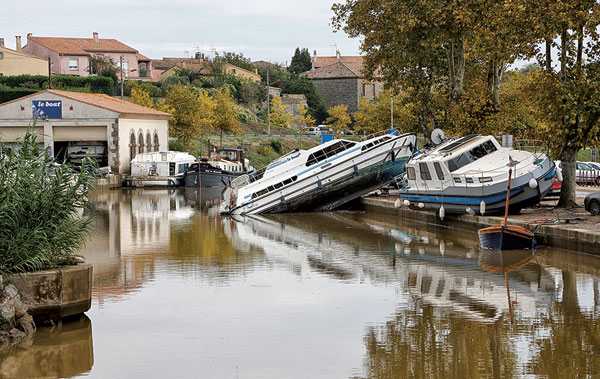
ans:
(40, 204)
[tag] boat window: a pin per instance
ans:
(469, 180)
(328, 151)
(424, 170)
(270, 188)
(485, 179)
(278, 185)
(472, 155)
(262, 192)
(457, 180)
(410, 171)
(367, 146)
(438, 170)
(287, 181)
(254, 195)
(294, 178)
(376, 142)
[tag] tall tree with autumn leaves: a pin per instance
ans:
(462, 48)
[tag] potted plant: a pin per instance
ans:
(42, 228)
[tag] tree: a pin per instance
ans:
(301, 61)
(305, 119)
(338, 120)
(101, 65)
(225, 114)
(193, 113)
(374, 116)
(280, 115)
(237, 59)
(141, 97)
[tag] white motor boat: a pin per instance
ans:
(162, 168)
(322, 178)
(470, 174)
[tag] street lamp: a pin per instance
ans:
(269, 103)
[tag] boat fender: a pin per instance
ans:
(442, 212)
(421, 205)
(442, 247)
(406, 202)
(533, 183)
(397, 203)
(232, 201)
(559, 174)
(482, 207)
(470, 211)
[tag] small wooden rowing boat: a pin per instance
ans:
(504, 236)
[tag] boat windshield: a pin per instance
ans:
(328, 151)
(471, 156)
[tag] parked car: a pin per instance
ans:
(592, 203)
(313, 131)
(555, 189)
(584, 173)
(594, 165)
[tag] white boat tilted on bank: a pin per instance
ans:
(322, 178)
(470, 174)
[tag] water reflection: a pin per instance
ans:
(63, 351)
(353, 294)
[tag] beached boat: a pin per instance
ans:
(468, 174)
(159, 169)
(223, 166)
(322, 178)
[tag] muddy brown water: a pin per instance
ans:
(180, 291)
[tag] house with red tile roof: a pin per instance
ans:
(72, 55)
(318, 62)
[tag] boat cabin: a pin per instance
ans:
(163, 163)
(231, 155)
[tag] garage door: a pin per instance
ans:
(80, 133)
(11, 133)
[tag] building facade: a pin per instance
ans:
(72, 56)
(344, 84)
(63, 119)
(16, 62)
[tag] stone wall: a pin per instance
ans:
(16, 324)
(339, 92)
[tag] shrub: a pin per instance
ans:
(40, 201)
(276, 145)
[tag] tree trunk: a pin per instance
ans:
(563, 56)
(568, 158)
(495, 72)
(456, 68)
(549, 54)
(424, 124)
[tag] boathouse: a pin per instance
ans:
(74, 124)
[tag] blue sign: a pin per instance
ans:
(46, 109)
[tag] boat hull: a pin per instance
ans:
(458, 199)
(510, 237)
(210, 179)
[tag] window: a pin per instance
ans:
(469, 180)
(141, 143)
(132, 146)
(155, 142)
(457, 180)
(471, 155)
(233, 71)
(328, 151)
(1, 55)
(424, 170)
(364, 90)
(373, 85)
(438, 170)
(485, 179)
(148, 142)
(410, 171)
(73, 64)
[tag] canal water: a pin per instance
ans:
(181, 292)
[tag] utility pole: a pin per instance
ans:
(392, 107)
(268, 105)
(121, 67)
(49, 73)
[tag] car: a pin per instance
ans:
(584, 174)
(592, 203)
(313, 131)
(594, 165)
(555, 189)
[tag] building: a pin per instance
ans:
(63, 120)
(72, 55)
(343, 83)
(168, 66)
(318, 62)
(16, 62)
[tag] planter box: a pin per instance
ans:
(54, 294)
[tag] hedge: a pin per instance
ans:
(96, 84)
(8, 94)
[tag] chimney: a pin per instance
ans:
(198, 55)
(1, 42)
(96, 39)
(18, 38)
(338, 55)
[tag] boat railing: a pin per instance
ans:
(534, 146)
(379, 133)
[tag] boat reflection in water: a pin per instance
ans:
(60, 352)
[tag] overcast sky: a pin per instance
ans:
(261, 29)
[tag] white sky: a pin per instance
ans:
(262, 30)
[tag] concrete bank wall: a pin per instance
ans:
(564, 236)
